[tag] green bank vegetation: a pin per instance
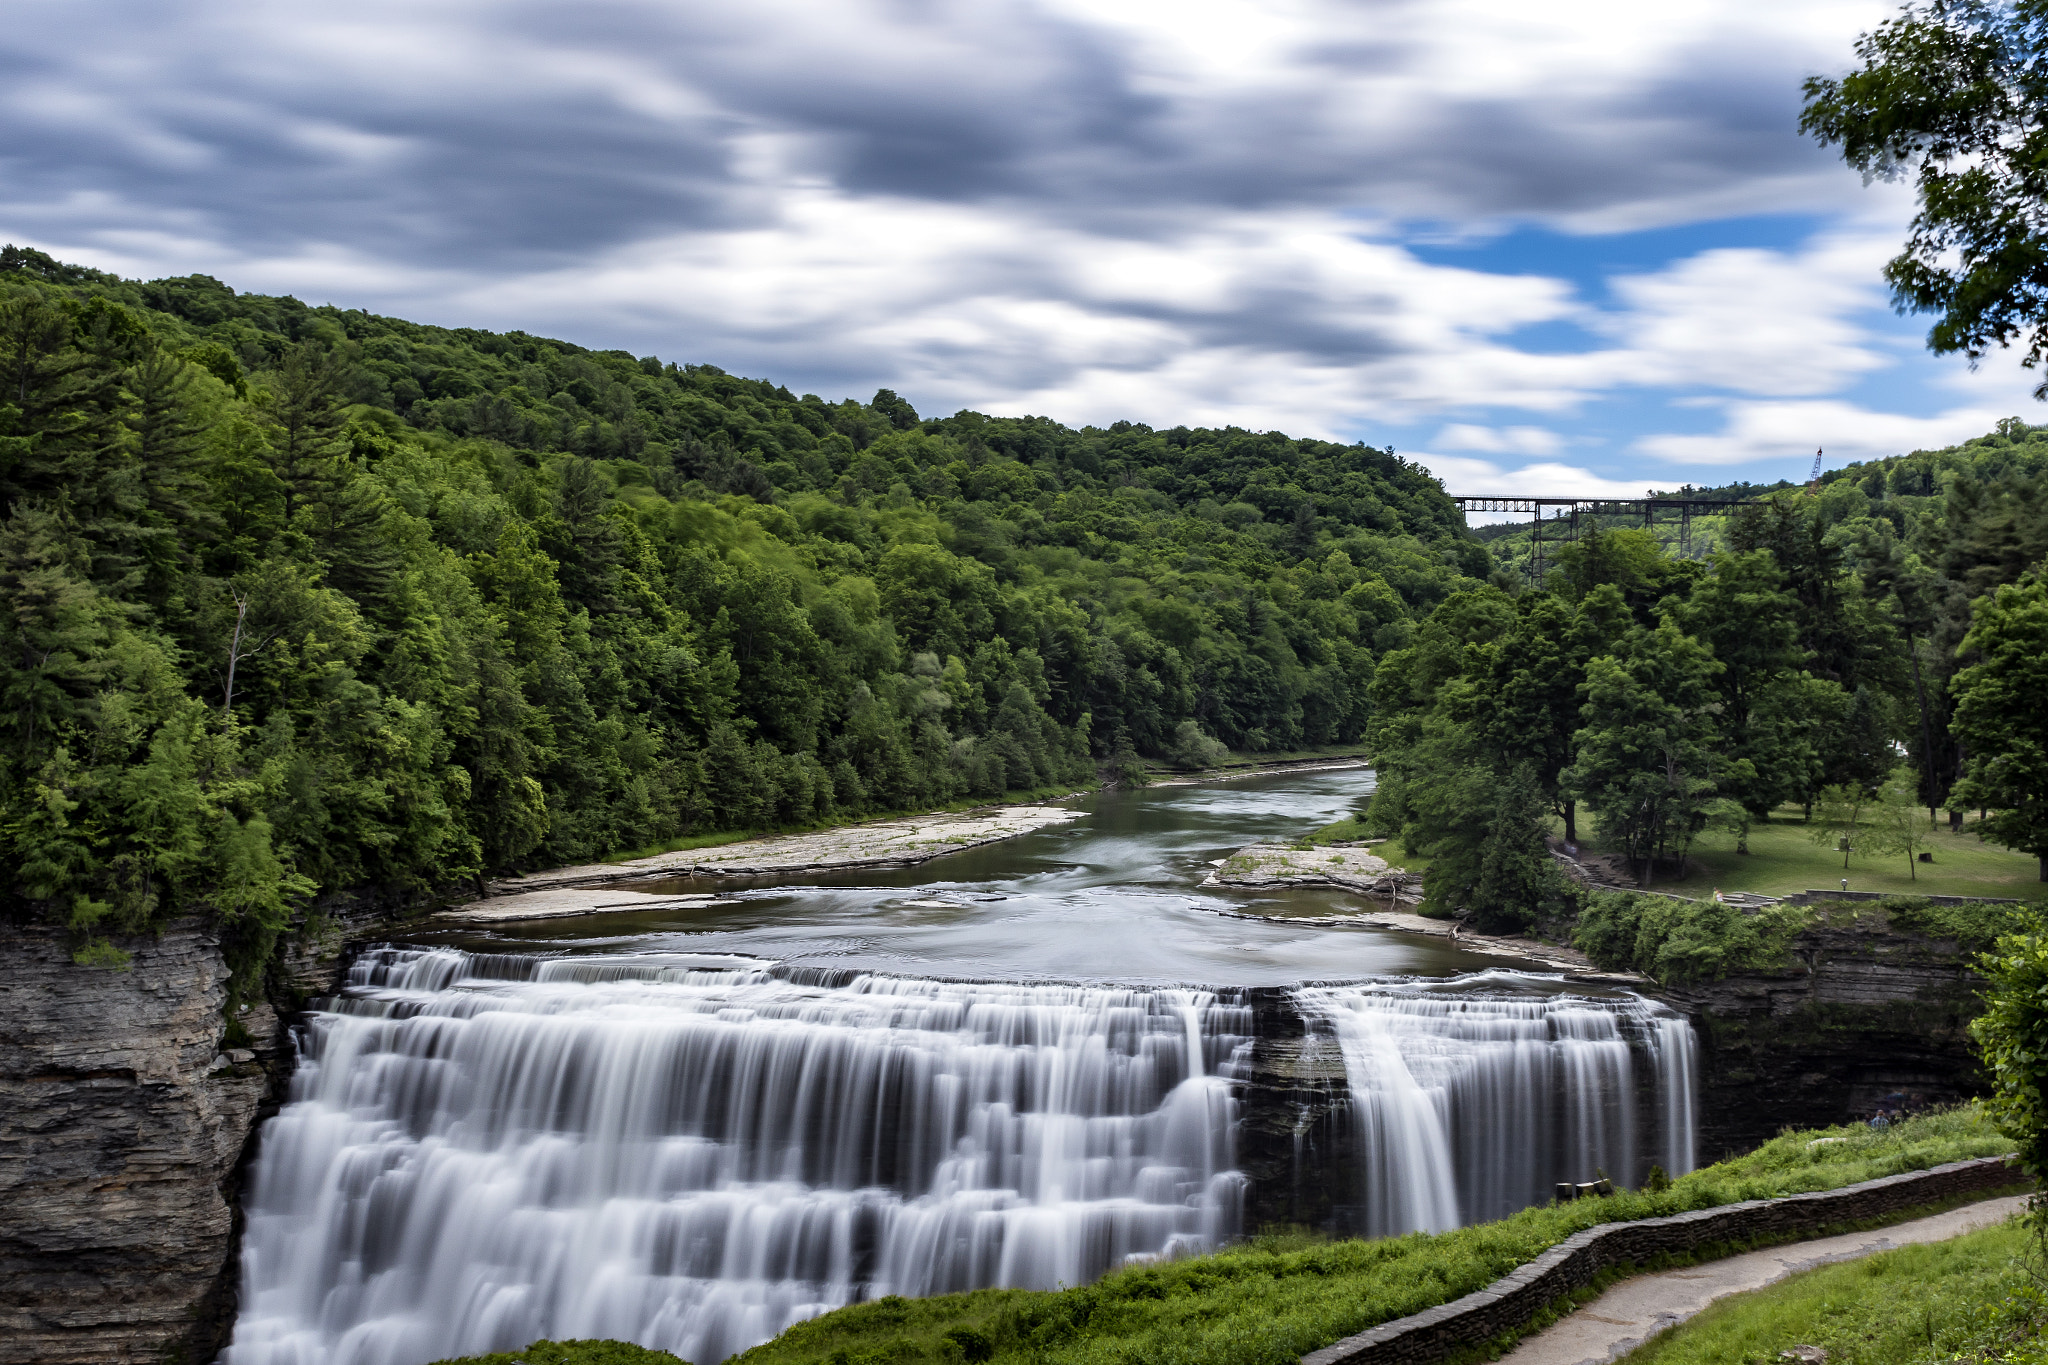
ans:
(572, 1353)
(302, 599)
(1274, 1298)
(1973, 1299)
(1894, 612)
(1680, 942)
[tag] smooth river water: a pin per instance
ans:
(1022, 1065)
(1113, 897)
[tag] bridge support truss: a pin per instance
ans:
(1555, 521)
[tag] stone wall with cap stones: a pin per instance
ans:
(1517, 1298)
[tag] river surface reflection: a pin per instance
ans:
(1113, 897)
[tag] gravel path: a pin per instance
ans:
(1633, 1311)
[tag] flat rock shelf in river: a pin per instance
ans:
(880, 843)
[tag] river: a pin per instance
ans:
(1024, 1064)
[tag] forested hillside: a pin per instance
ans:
(301, 598)
(1895, 611)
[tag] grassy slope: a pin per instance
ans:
(1783, 858)
(1272, 1299)
(1968, 1299)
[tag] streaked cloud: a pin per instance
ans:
(1212, 211)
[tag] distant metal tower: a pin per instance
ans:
(1813, 479)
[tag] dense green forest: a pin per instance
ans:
(302, 599)
(1876, 644)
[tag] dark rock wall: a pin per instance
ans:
(1861, 1014)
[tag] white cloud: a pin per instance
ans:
(1791, 431)
(1499, 440)
(1119, 208)
(1761, 322)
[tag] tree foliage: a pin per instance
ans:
(295, 600)
(2012, 1033)
(2002, 716)
(1952, 92)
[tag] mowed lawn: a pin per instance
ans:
(1783, 858)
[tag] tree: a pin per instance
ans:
(1955, 92)
(1192, 750)
(1836, 818)
(1646, 752)
(1524, 697)
(306, 417)
(2012, 1033)
(1895, 826)
(1518, 880)
(1743, 612)
(2002, 717)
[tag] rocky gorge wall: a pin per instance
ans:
(125, 1119)
(122, 1127)
(1859, 1012)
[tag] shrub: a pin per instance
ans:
(574, 1353)
(1190, 749)
(1681, 942)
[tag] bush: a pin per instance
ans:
(574, 1353)
(1975, 928)
(1681, 942)
(1190, 749)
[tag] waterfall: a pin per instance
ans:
(694, 1153)
(1470, 1105)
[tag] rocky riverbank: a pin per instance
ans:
(881, 843)
(1351, 867)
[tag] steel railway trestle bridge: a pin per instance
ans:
(1561, 526)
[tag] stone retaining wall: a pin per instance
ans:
(1515, 1299)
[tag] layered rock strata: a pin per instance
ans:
(122, 1127)
(1859, 1013)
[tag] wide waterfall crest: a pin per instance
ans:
(1472, 1102)
(693, 1153)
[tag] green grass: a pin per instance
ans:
(1783, 858)
(1968, 1299)
(1347, 830)
(1270, 1300)
(573, 1353)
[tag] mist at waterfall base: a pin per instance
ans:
(604, 1134)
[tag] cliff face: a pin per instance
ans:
(1858, 1014)
(122, 1127)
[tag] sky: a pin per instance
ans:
(1576, 248)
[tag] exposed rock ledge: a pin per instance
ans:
(122, 1124)
(1348, 867)
(883, 843)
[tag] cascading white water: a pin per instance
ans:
(480, 1151)
(1473, 1105)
